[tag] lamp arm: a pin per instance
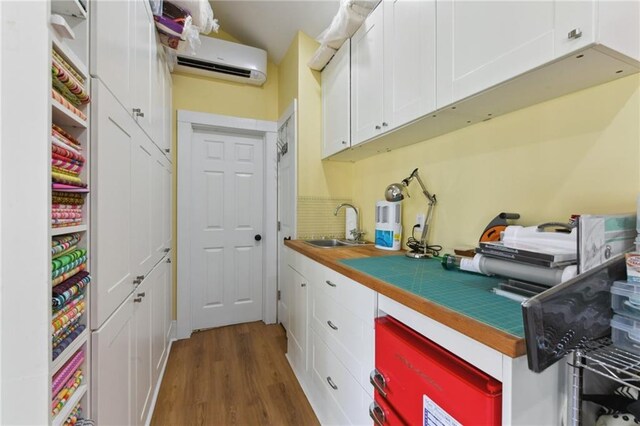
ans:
(431, 198)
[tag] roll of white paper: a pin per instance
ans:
(350, 223)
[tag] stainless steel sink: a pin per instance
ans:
(332, 243)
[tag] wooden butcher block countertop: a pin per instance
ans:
(510, 344)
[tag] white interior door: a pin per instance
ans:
(226, 212)
(287, 135)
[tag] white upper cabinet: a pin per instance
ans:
(336, 117)
(483, 43)
(409, 60)
(366, 79)
(142, 71)
(111, 54)
(113, 136)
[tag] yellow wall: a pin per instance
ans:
(575, 154)
(288, 77)
(215, 96)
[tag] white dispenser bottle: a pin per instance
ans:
(388, 226)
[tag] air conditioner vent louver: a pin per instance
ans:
(209, 66)
(225, 60)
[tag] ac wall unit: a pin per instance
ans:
(226, 60)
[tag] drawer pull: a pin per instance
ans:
(379, 383)
(330, 283)
(377, 414)
(333, 385)
(332, 325)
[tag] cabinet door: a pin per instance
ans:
(575, 25)
(142, 253)
(158, 318)
(168, 113)
(297, 332)
(112, 136)
(409, 60)
(158, 198)
(167, 194)
(143, 301)
(111, 56)
(336, 117)
(366, 79)
(112, 369)
(157, 96)
(144, 37)
(483, 43)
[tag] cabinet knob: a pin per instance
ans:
(332, 325)
(136, 281)
(140, 277)
(257, 237)
(167, 250)
(344, 142)
(303, 284)
(574, 34)
(333, 385)
(138, 112)
(378, 127)
(142, 294)
(168, 260)
(385, 124)
(137, 300)
(167, 150)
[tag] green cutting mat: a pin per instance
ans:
(466, 293)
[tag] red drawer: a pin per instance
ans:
(411, 367)
(383, 415)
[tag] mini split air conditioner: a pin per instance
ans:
(226, 60)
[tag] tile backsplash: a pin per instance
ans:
(316, 219)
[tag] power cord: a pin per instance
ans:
(415, 244)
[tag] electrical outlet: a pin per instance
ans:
(420, 221)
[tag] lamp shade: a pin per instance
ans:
(394, 192)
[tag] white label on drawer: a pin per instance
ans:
(433, 415)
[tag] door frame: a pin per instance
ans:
(290, 113)
(188, 121)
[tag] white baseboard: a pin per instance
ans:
(156, 391)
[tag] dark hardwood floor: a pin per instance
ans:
(235, 375)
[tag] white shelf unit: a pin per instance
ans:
(70, 350)
(62, 416)
(75, 52)
(68, 230)
(62, 116)
(69, 8)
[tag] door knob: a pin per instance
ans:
(257, 237)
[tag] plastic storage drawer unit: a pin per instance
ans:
(427, 385)
(625, 298)
(625, 333)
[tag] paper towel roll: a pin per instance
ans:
(350, 223)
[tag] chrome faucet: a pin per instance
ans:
(357, 233)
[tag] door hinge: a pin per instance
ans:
(279, 225)
(279, 295)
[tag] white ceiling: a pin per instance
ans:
(271, 25)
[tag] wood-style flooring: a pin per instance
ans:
(235, 375)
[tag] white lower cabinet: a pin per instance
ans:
(112, 368)
(130, 350)
(333, 356)
(297, 332)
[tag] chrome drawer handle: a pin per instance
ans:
(333, 385)
(377, 414)
(137, 300)
(330, 283)
(144, 293)
(379, 383)
(332, 325)
(303, 284)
